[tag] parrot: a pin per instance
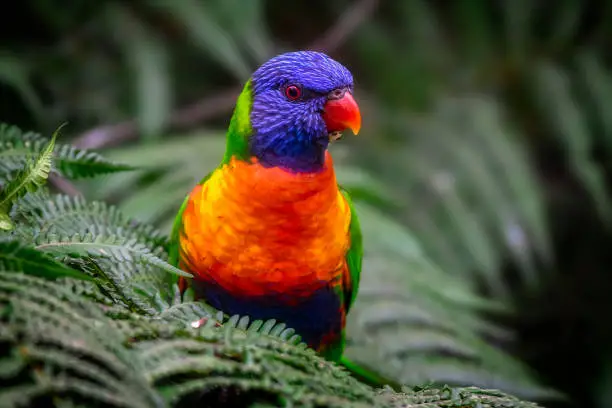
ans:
(270, 233)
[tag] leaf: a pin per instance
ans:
(66, 347)
(249, 26)
(189, 313)
(90, 358)
(148, 59)
(5, 222)
(29, 179)
(103, 244)
(14, 255)
(17, 147)
(554, 97)
(448, 397)
(68, 215)
(413, 322)
(206, 34)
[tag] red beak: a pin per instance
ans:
(342, 113)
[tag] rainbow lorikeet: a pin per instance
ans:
(269, 233)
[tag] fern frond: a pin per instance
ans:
(30, 178)
(87, 289)
(187, 367)
(16, 147)
(139, 288)
(269, 327)
(6, 224)
(58, 346)
(64, 348)
(102, 243)
(554, 96)
(189, 313)
(452, 398)
(68, 215)
(14, 255)
(130, 276)
(424, 323)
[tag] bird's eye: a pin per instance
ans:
(293, 92)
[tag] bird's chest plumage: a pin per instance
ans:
(270, 244)
(257, 231)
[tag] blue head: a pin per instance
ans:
(299, 99)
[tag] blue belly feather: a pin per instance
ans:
(315, 317)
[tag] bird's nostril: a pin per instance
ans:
(336, 93)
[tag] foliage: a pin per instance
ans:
(30, 178)
(95, 323)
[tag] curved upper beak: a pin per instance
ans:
(341, 112)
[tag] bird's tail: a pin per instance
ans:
(368, 376)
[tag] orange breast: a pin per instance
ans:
(256, 230)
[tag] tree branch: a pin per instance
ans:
(63, 185)
(346, 24)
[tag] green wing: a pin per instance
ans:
(354, 255)
(350, 281)
(354, 258)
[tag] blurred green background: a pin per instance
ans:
(482, 172)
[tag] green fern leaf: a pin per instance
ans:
(105, 245)
(190, 313)
(5, 222)
(16, 147)
(451, 398)
(29, 179)
(88, 289)
(66, 347)
(74, 163)
(139, 288)
(68, 215)
(14, 255)
(424, 323)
